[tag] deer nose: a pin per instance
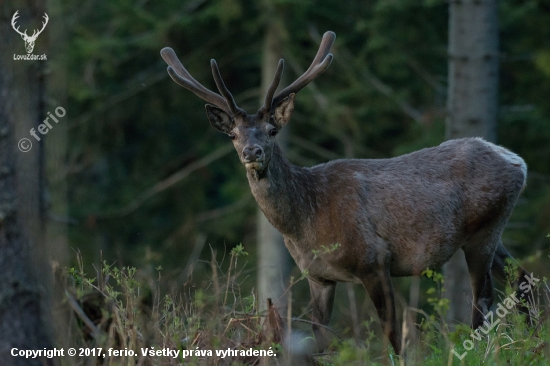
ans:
(253, 153)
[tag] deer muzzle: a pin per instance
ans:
(253, 157)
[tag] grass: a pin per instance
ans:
(122, 310)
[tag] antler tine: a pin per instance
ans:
(182, 77)
(320, 63)
(46, 18)
(35, 32)
(274, 84)
(223, 89)
(324, 48)
(13, 20)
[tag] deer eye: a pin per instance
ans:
(232, 136)
(273, 132)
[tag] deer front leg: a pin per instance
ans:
(322, 300)
(380, 289)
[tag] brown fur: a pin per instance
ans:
(392, 217)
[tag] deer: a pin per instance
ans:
(29, 40)
(388, 217)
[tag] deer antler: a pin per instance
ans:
(182, 77)
(223, 89)
(320, 63)
(34, 34)
(274, 84)
(225, 101)
(13, 19)
(24, 34)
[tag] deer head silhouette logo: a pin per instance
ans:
(29, 40)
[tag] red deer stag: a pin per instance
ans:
(390, 217)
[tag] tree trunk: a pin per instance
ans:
(273, 257)
(23, 300)
(55, 150)
(56, 147)
(472, 109)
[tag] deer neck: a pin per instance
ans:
(285, 193)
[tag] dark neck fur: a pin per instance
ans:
(285, 193)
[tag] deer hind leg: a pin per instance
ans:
(380, 289)
(322, 299)
(499, 264)
(499, 272)
(479, 259)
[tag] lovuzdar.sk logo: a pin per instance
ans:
(29, 40)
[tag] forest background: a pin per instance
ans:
(134, 174)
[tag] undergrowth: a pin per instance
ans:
(117, 309)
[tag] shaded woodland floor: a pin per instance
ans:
(214, 324)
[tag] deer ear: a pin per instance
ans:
(283, 111)
(219, 119)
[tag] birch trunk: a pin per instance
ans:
(472, 109)
(273, 257)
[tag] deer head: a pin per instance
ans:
(253, 135)
(29, 40)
